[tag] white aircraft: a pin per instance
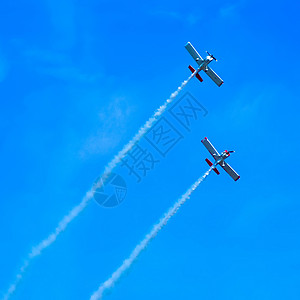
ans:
(203, 65)
(219, 159)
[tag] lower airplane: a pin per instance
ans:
(203, 65)
(219, 159)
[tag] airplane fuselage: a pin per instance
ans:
(221, 158)
(204, 64)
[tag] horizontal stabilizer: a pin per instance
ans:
(210, 164)
(197, 75)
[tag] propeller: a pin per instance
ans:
(231, 151)
(211, 56)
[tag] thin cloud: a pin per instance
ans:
(63, 19)
(190, 18)
(58, 65)
(3, 67)
(231, 11)
(68, 218)
(112, 121)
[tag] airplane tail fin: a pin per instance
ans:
(210, 164)
(197, 75)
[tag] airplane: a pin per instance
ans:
(219, 159)
(203, 65)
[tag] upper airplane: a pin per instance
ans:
(203, 65)
(219, 159)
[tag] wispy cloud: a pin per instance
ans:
(112, 123)
(231, 11)
(57, 64)
(70, 73)
(62, 15)
(3, 67)
(189, 18)
(228, 11)
(244, 111)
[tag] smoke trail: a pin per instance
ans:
(144, 243)
(37, 250)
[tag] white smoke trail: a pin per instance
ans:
(142, 131)
(37, 250)
(144, 243)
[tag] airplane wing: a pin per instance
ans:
(211, 149)
(218, 81)
(235, 176)
(196, 56)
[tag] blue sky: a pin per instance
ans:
(77, 80)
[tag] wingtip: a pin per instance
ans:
(237, 178)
